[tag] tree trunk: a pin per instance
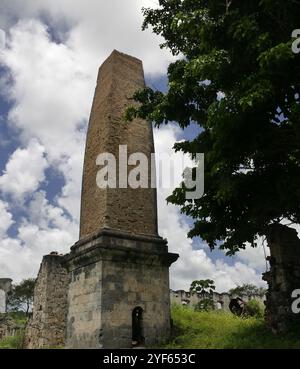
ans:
(283, 277)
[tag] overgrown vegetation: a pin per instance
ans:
(254, 308)
(18, 320)
(204, 287)
(247, 290)
(15, 342)
(221, 330)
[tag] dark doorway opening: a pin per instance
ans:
(137, 327)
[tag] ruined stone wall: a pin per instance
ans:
(283, 277)
(2, 301)
(84, 307)
(221, 300)
(5, 286)
(47, 326)
(8, 327)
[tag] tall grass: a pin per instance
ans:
(221, 330)
(15, 342)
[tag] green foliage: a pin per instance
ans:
(239, 80)
(205, 305)
(20, 298)
(15, 342)
(19, 317)
(247, 290)
(254, 308)
(203, 286)
(220, 330)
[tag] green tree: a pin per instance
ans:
(248, 290)
(238, 79)
(205, 305)
(203, 287)
(20, 298)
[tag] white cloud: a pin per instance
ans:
(255, 257)
(13, 260)
(47, 229)
(24, 171)
(6, 219)
(97, 27)
(51, 90)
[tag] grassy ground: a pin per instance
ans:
(220, 330)
(207, 330)
(15, 342)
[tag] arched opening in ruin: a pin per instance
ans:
(137, 327)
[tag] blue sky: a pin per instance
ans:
(48, 73)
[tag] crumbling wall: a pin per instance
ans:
(283, 277)
(221, 300)
(47, 326)
(2, 301)
(5, 286)
(8, 327)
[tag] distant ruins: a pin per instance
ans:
(112, 289)
(5, 287)
(221, 300)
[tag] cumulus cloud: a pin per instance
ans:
(45, 229)
(24, 171)
(51, 91)
(255, 256)
(6, 219)
(52, 94)
(97, 27)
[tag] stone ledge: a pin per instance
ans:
(116, 233)
(111, 238)
(132, 250)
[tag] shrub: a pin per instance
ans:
(14, 342)
(254, 308)
(205, 305)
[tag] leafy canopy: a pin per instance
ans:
(237, 78)
(248, 290)
(20, 298)
(203, 286)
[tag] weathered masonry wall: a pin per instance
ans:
(2, 301)
(84, 307)
(221, 300)
(8, 327)
(130, 285)
(5, 286)
(47, 326)
(111, 276)
(127, 209)
(283, 277)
